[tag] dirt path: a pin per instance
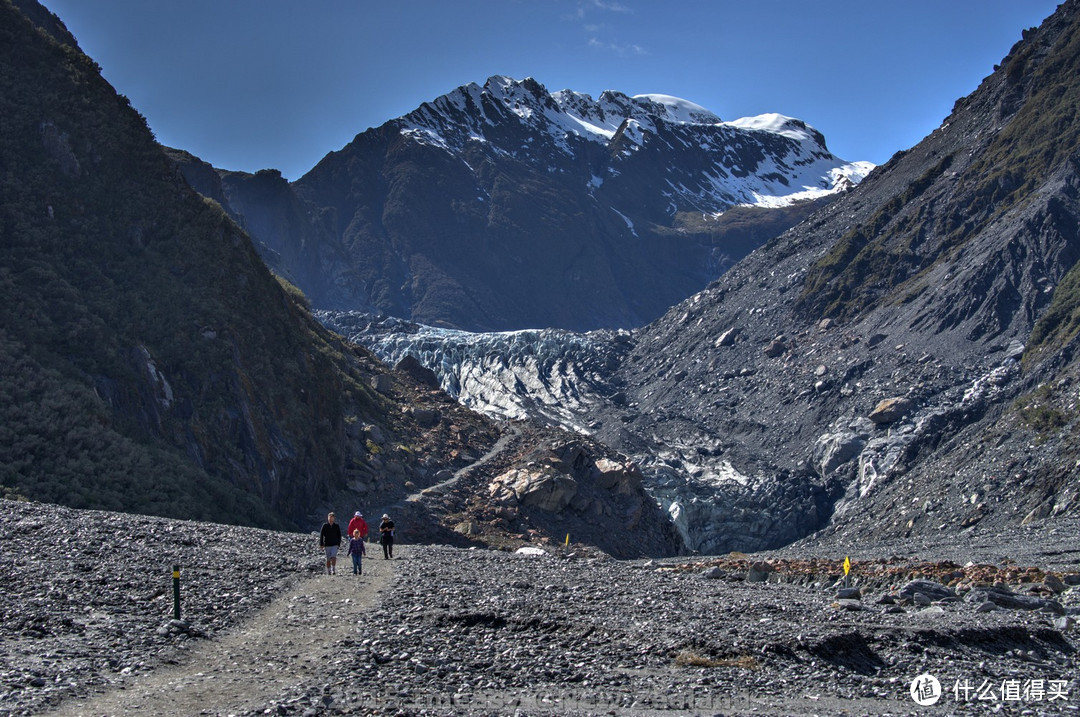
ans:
(286, 643)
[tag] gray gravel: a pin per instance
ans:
(482, 632)
(86, 596)
(478, 632)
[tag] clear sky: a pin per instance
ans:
(252, 84)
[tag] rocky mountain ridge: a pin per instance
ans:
(901, 363)
(879, 355)
(505, 206)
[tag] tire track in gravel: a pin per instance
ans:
(288, 642)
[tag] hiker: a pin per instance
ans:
(357, 550)
(386, 537)
(358, 523)
(330, 541)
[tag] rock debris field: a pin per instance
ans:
(87, 626)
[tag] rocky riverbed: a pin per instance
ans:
(86, 608)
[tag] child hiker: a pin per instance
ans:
(356, 550)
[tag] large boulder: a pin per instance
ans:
(1012, 601)
(891, 410)
(540, 487)
(616, 476)
(929, 588)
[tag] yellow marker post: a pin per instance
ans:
(847, 570)
(176, 591)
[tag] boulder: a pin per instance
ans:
(891, 410)
(419, 373)
(758, 572)
(1012, 601)
(1054, 584)
(607, 473)
(929, 588)
(727, 338)
(426, 417)
(539, 487)
(833, 450)
(382, 383)
(775, 348)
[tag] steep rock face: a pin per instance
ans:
(504, 206)
(280, 225)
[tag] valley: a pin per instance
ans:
(639, 386)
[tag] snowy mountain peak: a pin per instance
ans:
(779, 124)
(768, 160)
(559, 114)
(679, 110)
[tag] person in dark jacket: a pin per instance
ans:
(357, 551)
(330, 541)
(386, 536)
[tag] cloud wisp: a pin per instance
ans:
(619, 48)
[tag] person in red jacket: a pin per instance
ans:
(358, 523)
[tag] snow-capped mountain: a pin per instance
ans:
(504, 206)
(770, 160)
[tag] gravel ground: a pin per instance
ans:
(86, 596)
(86, 608)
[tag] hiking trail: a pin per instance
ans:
(287, 642)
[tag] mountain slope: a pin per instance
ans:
(922, 287)
(148, 360)
(902, 363)
(505, 206)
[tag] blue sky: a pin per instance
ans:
(251, 84)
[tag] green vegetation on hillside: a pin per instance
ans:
(871, 255)
(149, 362)
(1060, 324)
(900, 241)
